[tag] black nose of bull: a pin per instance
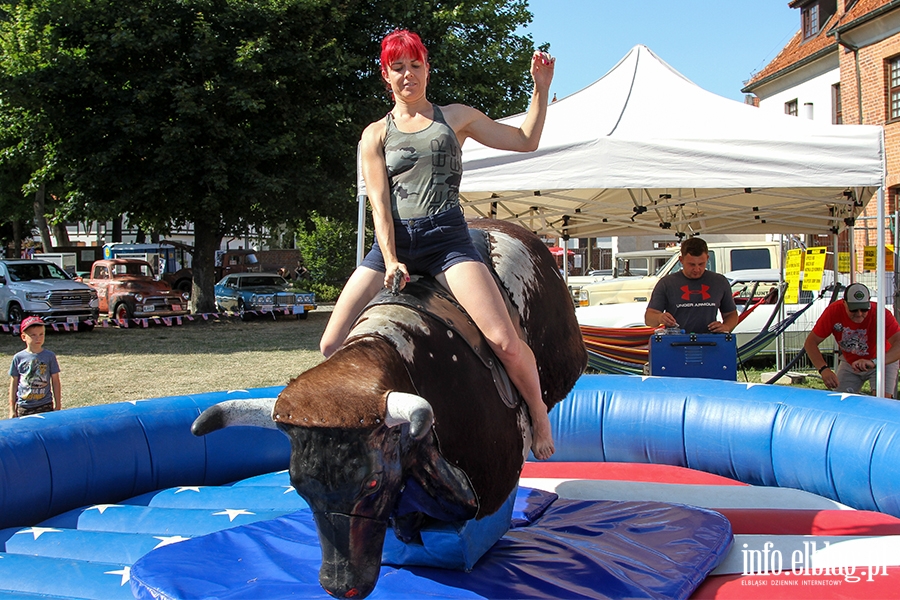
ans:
(351, 554)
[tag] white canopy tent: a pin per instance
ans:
(643, 148)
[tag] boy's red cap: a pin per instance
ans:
(29, 321)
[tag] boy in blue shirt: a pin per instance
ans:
(34, 385)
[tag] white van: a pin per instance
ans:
(723, 257)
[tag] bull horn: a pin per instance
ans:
(412, 409)
(252, 412)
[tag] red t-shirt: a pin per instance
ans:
(855, 340)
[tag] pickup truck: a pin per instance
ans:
(723, 257)
(170, 261)
(637, 263)
(35, 287)
(126, 288)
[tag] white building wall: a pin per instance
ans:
(815, 90)
(808, 84)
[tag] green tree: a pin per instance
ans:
(230, 113)
(20, 157)
(329, 252)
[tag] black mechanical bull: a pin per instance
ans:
(414, 418)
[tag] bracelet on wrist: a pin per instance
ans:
(822, 368)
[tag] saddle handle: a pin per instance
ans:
(395, 286)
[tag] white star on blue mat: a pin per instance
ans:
(125, 572)
(134, 402)
(234, 512)
(188, 488)
(288, 489)
(102, 507)
(166, 540)
(844, 395)
(38, 531)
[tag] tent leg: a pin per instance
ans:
(880, 343)
(361, 230)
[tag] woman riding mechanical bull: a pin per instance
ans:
(412, 166)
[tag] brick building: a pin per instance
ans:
(843, 66)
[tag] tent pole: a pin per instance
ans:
(361, 198)
(779, 340)
(835, 244)
(879, 296)
(361, 229)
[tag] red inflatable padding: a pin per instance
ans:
(791, 587)
(618, 471)
(810, 522)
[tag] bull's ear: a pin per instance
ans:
(412, 409)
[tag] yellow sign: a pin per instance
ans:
(813, 267)
(792, 276)
(843, 262)
(870, 258)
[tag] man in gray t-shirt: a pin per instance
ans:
(691, 299)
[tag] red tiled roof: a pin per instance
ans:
(861, 8)
(797, 50)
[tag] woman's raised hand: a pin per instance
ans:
(542, 65)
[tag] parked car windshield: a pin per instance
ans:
(262, 281)
(132, 269)
(632, 267)
(35, 270)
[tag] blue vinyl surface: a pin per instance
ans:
(841, 446)
(597, 549)
(58, 461)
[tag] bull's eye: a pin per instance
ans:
(372, 484)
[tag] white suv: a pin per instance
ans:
(36, 287)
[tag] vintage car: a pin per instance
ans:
(127, 289)
(253, 293)
(36, 287)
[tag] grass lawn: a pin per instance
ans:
(111, 364)
(115, 365)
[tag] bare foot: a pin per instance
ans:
(541, 436)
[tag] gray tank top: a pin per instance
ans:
(424, 168)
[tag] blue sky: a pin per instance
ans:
(717, 44)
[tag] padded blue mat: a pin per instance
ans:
(573, 549)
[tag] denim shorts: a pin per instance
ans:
(428, 245)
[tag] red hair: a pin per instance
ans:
(402, 43)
